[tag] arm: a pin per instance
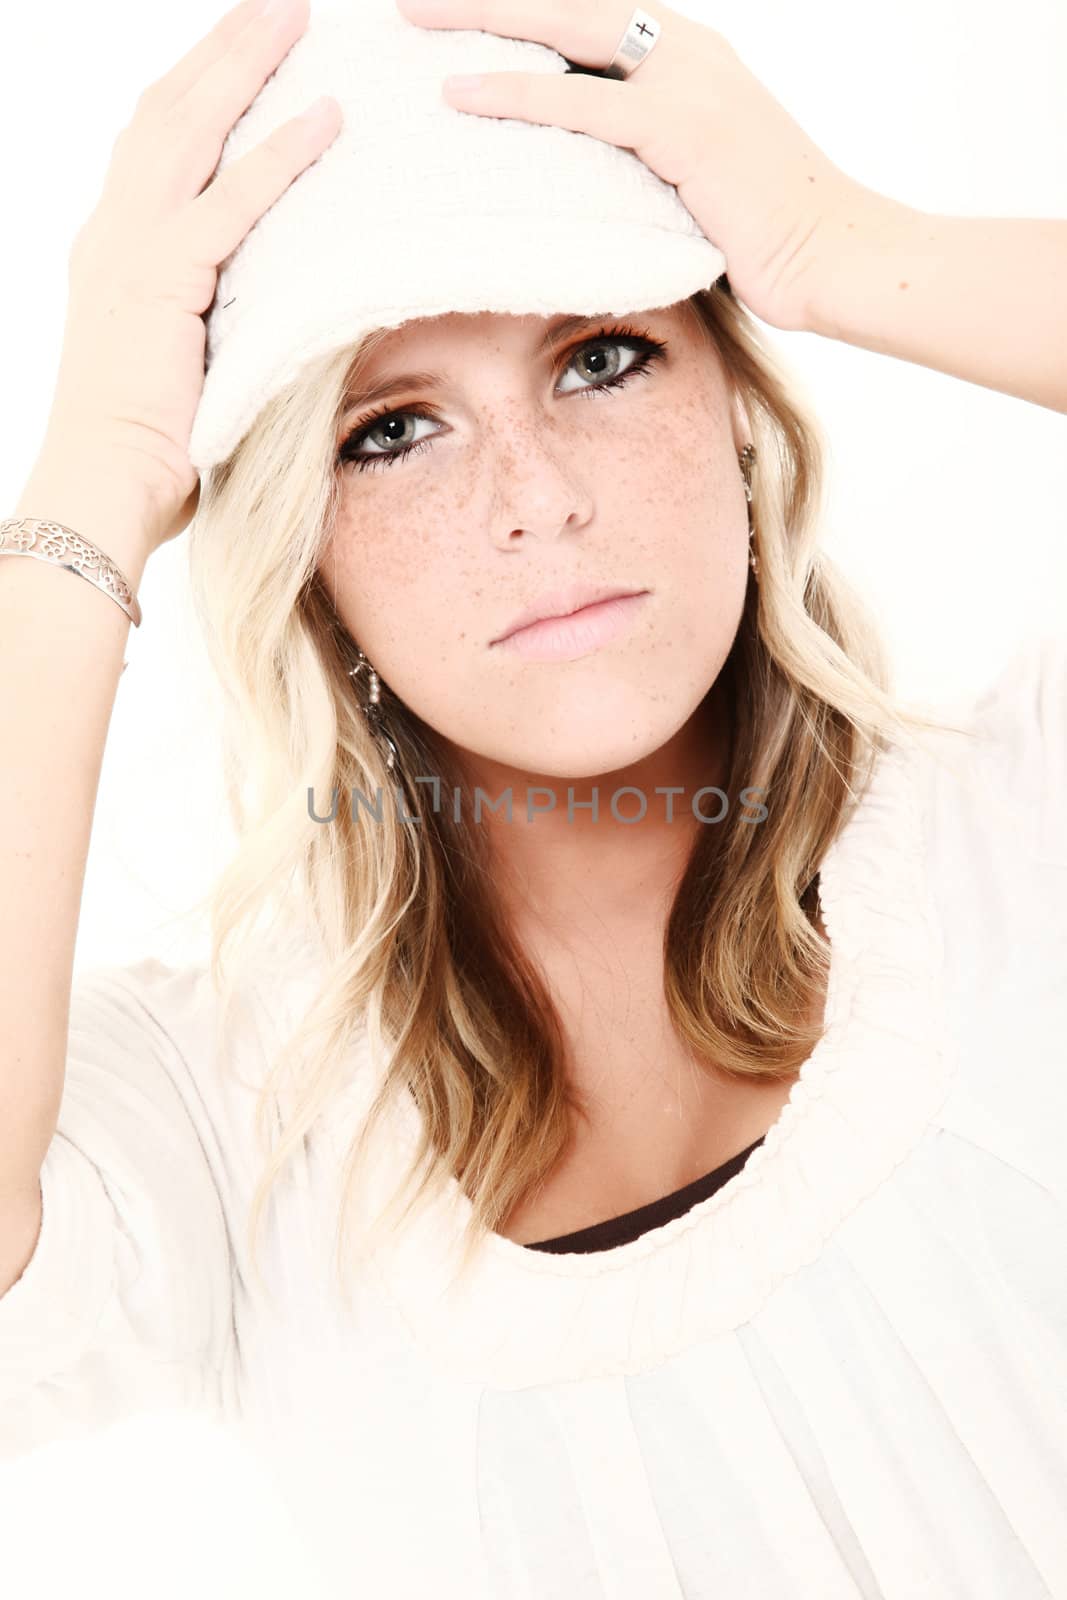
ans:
(115, 1264)
(61, 643)
(981, 298)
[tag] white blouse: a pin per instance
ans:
(842, 1375)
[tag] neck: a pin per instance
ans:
(573, 867)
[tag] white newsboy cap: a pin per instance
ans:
(417, 209)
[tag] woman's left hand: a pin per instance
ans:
(760, 190)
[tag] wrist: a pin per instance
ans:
(861, 247)
(96, 497)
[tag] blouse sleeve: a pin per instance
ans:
(127, 1301)
(1022, 722)
(1010, 803)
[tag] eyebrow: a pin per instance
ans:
(368, 394)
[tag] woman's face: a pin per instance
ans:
(532, 472)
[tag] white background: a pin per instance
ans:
(946, 507)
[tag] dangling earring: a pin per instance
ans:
(373, 710)
(747, 458)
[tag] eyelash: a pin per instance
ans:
(647, 349)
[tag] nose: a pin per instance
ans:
(538, 491)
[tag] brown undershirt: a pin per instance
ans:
(629, 1226)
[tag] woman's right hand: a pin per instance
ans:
(144, 266)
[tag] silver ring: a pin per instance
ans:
(642, 32)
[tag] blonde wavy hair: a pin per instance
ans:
(418, 959)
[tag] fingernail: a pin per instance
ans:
(464, 83)
(319, 111)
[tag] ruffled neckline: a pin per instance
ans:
(862, 1100)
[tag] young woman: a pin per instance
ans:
(652, 1189)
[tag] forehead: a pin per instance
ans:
(419, 353)
(531, 333)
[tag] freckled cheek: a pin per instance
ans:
(388, 556)
(403, 587)
(669, 485)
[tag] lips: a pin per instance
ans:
(562, 602)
